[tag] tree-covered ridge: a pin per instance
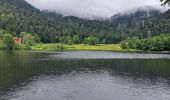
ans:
(18, 16)
(142, 24)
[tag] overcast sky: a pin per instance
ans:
(89, 8)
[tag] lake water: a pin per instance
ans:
(84, 75)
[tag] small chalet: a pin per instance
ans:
(17, 40)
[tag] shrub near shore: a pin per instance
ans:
(157, 43)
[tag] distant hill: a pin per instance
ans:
(17, 16)
(142, 23)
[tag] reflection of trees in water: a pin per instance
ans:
(17, 67)
(147, 68)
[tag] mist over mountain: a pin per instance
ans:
(90, 9)
(18, 16)
(139, 13)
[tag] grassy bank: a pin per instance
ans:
(100, 47)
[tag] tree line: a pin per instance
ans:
(29, 39)
(157, 43)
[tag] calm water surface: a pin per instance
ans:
(84, 75)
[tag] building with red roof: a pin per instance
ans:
(17, 40)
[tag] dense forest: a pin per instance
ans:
(18, 16)
(156, 43)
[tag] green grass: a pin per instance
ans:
(61, 47)
(49, 47)
(100, 47)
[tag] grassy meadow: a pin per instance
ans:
(99, 47)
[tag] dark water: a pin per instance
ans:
(84, 76)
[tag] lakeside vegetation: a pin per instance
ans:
(33, 42)
(30, 41)
(23, 42)
(59, 46)
(157, 43)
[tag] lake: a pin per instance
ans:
(84, 75)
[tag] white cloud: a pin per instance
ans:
(89, 8)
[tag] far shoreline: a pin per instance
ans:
(58, 47)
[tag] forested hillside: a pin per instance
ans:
(18, 16)
(142, 24)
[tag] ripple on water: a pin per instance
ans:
(98, 75)
(91, 86)
(105, 55)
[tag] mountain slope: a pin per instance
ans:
(18, 16)
(136, 23)
(143, 23)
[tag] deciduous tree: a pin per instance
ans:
(8, 41)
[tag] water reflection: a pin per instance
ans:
(26, 76)
(106, 55)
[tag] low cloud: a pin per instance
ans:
(91, 8)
